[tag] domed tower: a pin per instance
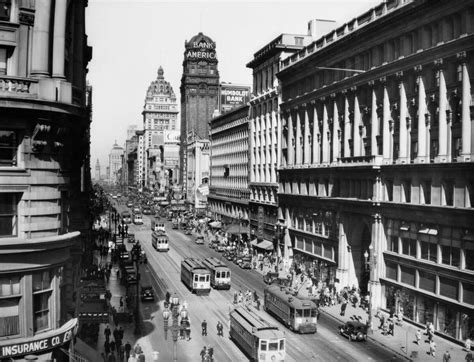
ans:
(199, 93)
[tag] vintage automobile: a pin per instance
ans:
(147, 294)
(246, 262)
(188, 232)
(355, 331)
(270, 277)
(220, 248)
(199, 240)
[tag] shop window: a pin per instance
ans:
(8, 214)
(429, 251)
(427, 281)
(8, 147)
(407, 275)
(450, 255)
(446, 320)
(424, 310)
(448, 288)
(391, 271)
(409, 247)
(468, 293)
(393, 243)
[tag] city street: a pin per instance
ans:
(325, 345)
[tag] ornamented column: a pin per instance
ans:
(290, 143)
(466, 148)
(335, 130)
(40, 54)
(402, 135)
(306, 149)
(355, 130)
(298, 137)
(252, 146)
(442, 121)
(421, 156)
(387, 137)
(374, 122)
(275, 144)
(324, 135)
(347, 126)
(263, 158)
(377, 248)
(268, 142)
(257, 149)
(59, 38)
(316, 145)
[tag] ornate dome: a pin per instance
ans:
(199, 38)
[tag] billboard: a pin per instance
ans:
(232, 96)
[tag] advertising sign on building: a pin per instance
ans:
(172, 136)
(232, 96)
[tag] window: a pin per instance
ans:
(8, 214)
(427, 281)
(8, 147)
(427, 191)
(407, 190)
(9, 317)
(429, 251)
(469, 257)
(41, 295)
(468, 293)
(409, 247)
(448, 287)
(391, 271)
(5, 6)
(389, 188)
(448, 189)
(450, 255)
(299, 40)
(393, 243)
(407, 275)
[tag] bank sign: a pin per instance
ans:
(201, 50)
(53, 339)
(232, 96)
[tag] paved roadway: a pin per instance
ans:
(325, 345)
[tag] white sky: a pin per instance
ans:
(131, 39)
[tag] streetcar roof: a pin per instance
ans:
(194, 264)
(213, 262)
(254, 322)
(288, 298)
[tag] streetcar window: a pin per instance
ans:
(306, 312)
(273, 346)
(202, 278)
(263, 345)
(314, 312)
(196, 278)
(299, 313)
(218, 274)
(282, 344)
(207, 278)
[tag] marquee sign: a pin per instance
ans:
(40, 344)
(232, 96)
(202, 50)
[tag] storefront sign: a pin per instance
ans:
(53, 339)
(232, 96)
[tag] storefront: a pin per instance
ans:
(449, 319)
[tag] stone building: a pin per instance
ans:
(229, 185)
(45, 115)
(376, 177)
(265, 135)
(115, 163)
(199, 99)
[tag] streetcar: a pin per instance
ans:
(196, 276)
(299, 315)
(220, 273)
(159, 240)
(259, 339)
(126, 217)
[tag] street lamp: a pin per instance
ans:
(279, 232)
(370, 263)
(136, 250)
(176, 326)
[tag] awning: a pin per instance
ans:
(265, 244)
(215, 224)
(254, 242)
(236, 229)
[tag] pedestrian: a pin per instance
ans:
(432, 348)
(141, 357)
(121, 352)
(343, 307)
(112, 346)
(418, 336)
(112, 358)
(128, 348)
(120, 334)
(121, 304)
(106, 348)
(468, 344)
(203, 353)
(258, 304)
(382, 321)
(188, 330)
(107, 333)
(469, 356)
(391, 327)
(138, 349)
(116, 333)
(219, 328)
(446, 357)
(204, 328)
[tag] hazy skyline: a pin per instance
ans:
(131, 39)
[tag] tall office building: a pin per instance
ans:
(45, 115)
(97, 170)
(375, 182)
(115, 162)
(199, 99)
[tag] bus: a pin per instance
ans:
(126, 217)
(259, 339)
(220, 273)
(159, 240)
(196, 276)
(299, 315)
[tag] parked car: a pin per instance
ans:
(220, 248)
(199, 240)
(246, 262)
(147, 293)
(355, 331)
(188, 232)
(270, 277)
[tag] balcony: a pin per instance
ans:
(18, 87)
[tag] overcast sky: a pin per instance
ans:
(131, 39)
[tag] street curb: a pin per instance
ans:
(405, 358)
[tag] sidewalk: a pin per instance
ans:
(403, 342)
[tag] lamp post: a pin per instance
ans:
(279, 231)
(175, 326)
(370, 263)
(136, 250)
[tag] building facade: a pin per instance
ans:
(229, 185)
(45, 114)
(198, 174)
(265, 134)
(160, 114)
(199, 98)
(375, 181)
(115, 163)
(97, 170)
